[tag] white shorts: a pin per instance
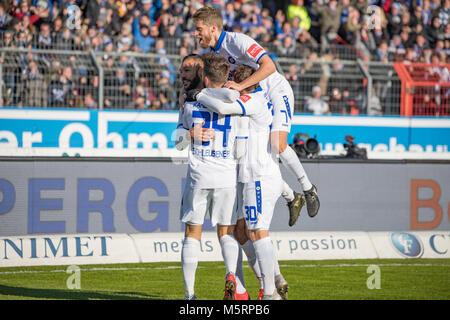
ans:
(282, 98)
(219, 203)
(259, 200)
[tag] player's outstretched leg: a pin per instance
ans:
(312, 201)
(290, 159)
(295, 201)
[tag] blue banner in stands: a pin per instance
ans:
(44, 132)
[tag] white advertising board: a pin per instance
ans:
(167, 246)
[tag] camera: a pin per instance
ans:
(305, 146)
(353, 151)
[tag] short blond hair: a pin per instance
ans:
(209, 16)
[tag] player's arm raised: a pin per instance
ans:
(215, 104)
(266, 68)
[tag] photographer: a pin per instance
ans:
(354, 151)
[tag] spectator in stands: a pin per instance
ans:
(7, 40)
(165, 92)
(444, 12)
(365, 42)
(142, 35)
(297, 9)
(396, 48)
(382, 52)
(280, 18)
(292, 76)
(164, 61)
(44, 39)
(33, 92)
(316, 104)
(89, 101)
(379, 35)
(307, 45)
(330, 21)
(266, 30)
(229, 16)
(248, 17)
(420, 46)
(352, 25)
(287, 47)
(117, 25)
(126, 40)
(123, 96)
(43, 10)
(188, 42)
(147, 7)
(351, 107)
(435, 32)
(407, 38)
(394, 19)
(5, 18)
(61, 90)
(374, 105)
(143, 89)
(337, 103)
(154, 32)
(23, 9)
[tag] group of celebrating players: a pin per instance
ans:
(235, 116)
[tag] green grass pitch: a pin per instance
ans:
(405, 279)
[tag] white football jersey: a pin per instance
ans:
(258, 161)
(212, 164)
(238, 49)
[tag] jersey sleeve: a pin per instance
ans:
(182, 140)
(249, 104)
(252, 50)
(216, 105)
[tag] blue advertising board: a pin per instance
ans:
(47, 132)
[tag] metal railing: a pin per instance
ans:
(112, 80)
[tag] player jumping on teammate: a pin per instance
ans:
(240, 49)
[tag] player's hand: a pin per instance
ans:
(233, 85)
(191, 95)
(198, 133)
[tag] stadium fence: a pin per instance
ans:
(112, 80)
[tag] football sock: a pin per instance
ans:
(249, 250)
(230, 252)
(189, 262)
(291, 160)
(276, 265)
(287, 192)
(240, 283)
(265, 256)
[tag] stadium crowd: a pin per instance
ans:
(373, 30)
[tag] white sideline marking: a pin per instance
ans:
(341, 265)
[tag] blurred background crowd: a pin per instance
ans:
(327, 30)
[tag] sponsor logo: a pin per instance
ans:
(231, 60)
(254, 50)
(245, 98)
(407, 244)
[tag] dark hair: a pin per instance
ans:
(243, 72)
(192, 56)
(216, 68)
